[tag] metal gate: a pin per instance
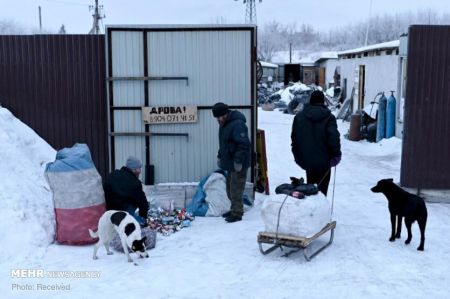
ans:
(173, 66)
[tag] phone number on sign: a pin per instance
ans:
(172, 118)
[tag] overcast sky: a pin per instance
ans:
(322, 14)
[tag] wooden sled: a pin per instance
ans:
(294, 242)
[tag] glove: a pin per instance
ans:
(335, 161)
(218, 162)
(237, 166)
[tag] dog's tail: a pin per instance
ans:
(93, 235)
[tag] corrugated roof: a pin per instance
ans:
(267, 64)
(175, 26)
(312, 58)
(385, 45)
(303, 57)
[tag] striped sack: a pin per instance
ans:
(78, 194)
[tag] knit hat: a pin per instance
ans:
(133, 163)
(317, 97)
(219, 109)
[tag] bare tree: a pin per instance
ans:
(10, 27)
(304, 38)
(270, 40)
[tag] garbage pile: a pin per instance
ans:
(168, 222)
(293, 98)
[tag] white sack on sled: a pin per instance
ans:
(299, 217)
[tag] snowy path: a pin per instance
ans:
(213, 259)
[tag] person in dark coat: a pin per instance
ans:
(233, 156)
(315, 141)
(123, 190)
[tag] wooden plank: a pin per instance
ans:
(329, 226)
(262, 175)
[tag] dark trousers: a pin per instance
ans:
(314, 177)
(235, 190)
(132, 211)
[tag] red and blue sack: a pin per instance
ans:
(78, 194)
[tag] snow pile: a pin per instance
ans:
(27, 217)
(371, 110)
(298, 217)
(287, 94)
(299, 86)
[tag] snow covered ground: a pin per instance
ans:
(25, 199)
(214, 259)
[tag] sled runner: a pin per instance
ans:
(279, 240)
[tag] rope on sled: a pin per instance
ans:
(332, 201)
(326, 173)
(332, 198)
(278, 220)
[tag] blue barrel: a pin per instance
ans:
(381, 118)
(390, 116)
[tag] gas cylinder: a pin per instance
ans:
(390, 116)
(381, 118)
(355, 127)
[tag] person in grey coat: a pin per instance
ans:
(315, 141)
(233, 156)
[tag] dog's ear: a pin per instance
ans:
(390, 180)
(143, 239)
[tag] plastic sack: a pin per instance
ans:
(77, 194)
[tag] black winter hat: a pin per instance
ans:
(219, 109)
(317, 97)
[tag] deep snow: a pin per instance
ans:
(26, 201)
(214, 259)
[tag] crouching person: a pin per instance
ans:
(233, 156)
(123, 191)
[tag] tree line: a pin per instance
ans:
(274, 36)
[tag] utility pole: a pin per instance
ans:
(368, 24)
(250, 11)
(40, 19)
(290, 52)
(97, 17)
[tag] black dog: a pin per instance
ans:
(403, 204)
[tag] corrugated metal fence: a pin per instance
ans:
(426, 139)
(56, 85)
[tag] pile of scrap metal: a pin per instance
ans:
(293, 98)
(267, 97)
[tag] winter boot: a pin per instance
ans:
(233, 218)
(226, 214)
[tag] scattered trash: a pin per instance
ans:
(168, 222)
(292, 98)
